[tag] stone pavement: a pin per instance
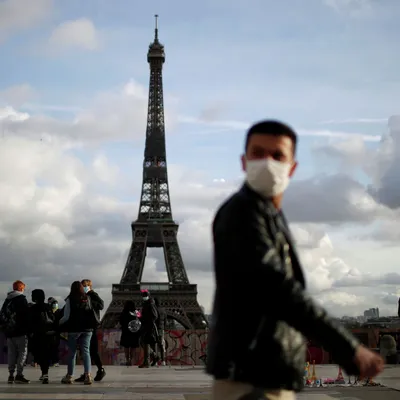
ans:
(174, 383)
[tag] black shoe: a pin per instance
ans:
(21, 379)
(155, 361)
(80, 379)
(11, 379)
(45, 380)
(101, 373)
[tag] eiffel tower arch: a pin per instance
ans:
(154, 226)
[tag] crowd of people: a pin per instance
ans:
(38, 327)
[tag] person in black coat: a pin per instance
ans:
(42, 326)
(97, 305)
(14, 324)
(149, 332)
(129, 335)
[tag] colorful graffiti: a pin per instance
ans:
(183, 347)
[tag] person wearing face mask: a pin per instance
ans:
(252, 239)
(98, 305)
(149, 332)
(55, 354)
(130, 330)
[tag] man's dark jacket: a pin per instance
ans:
(97, 303)
(262, 312)
(162, 319)
(20, 305)
(149, 331)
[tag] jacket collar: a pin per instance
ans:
(269, 207)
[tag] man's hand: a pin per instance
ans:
(368, 362)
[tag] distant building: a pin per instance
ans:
(372, 313)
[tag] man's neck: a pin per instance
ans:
(277, 201)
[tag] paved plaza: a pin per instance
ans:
(178, 383)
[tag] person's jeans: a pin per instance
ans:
(84, 341)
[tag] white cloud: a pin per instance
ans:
(18, 95)
(381, 165)
(214, 126)
(118, 114)
(80, 33)
(355, 8)
(17, 15)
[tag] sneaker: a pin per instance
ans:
(41, 378)
(88, 379)
(21, 379)
(11, 379)
(80, 379)
(101, 373)
(45, 379)
(155, 361)
(163, 363)
(67, 379)
(56, 364)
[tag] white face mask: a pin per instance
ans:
(145, 298)
(268, 177)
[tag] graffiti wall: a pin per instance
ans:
(182, 348)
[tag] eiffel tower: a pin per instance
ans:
(155, 226)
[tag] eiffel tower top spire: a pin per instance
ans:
(156, 49)
(156, 29)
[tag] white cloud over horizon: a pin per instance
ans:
(60, 222)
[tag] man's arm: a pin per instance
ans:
(67, 311)
(97, 301)
(22, 311)
(154, 313)
(291, 302)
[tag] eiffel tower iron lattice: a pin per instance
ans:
(155, 226)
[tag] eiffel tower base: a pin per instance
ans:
(179, 301)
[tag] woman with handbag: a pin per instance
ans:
(42, 328)
(79, 321)
(130, 330)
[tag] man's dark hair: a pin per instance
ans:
(272, 128)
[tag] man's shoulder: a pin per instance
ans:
(238, 203)
(20, 299)
(94, 294)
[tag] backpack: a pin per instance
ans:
(45, 322)
(8, 317)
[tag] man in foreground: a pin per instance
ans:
(263, 355)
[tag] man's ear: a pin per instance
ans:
(243, 160)
(293, 169)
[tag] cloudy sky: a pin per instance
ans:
(73, 100)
